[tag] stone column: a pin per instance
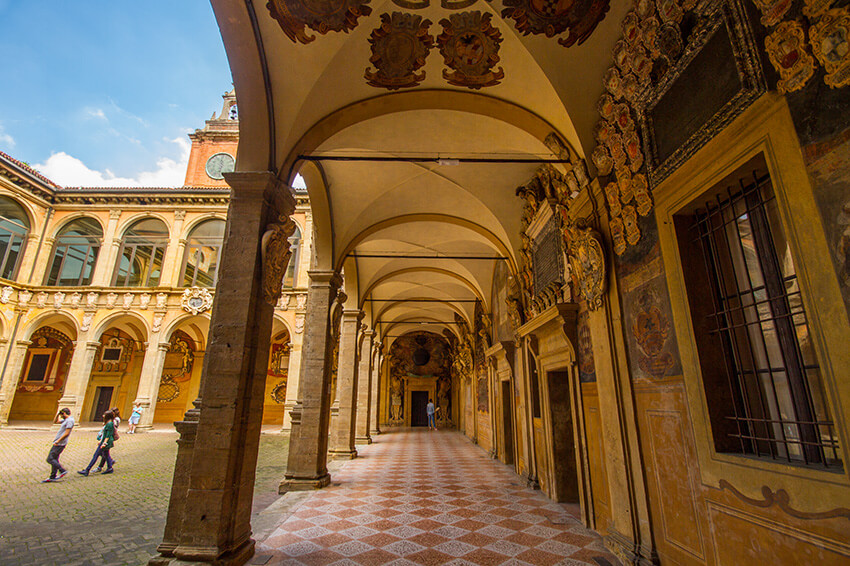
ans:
(106, 257)
(364, 390)
(306, 466)
(79, 373)
(292, 375)
(172, 263)
(210, 508)
(375, 411)
(12, 377)
(150, 379)
(342, 435)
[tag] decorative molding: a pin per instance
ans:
(161, 300)
(111, 300)
(91, 299)
(76, 299)
(587, 259)
(88, 317)
(781, 499)
(6, 294)
(399, 48)
(58, 299)
(196, 300)
(144, 300)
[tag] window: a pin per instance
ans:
(290, 278)
(761, 376)
(203, 252)
(75, 253)
(14, 229)
(141, 255)
(39, 364)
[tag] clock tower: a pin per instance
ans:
(214, 147)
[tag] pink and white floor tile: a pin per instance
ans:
(423, 498)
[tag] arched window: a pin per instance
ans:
(75, 253)
(14, 229)
(203, 251)
(290, 279)
(142, 251)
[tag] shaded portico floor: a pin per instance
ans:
(420, 497)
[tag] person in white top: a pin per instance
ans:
(57, 472)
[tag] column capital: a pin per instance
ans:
(352, 315)
(369, 333)
(325, 279)
(262, 184)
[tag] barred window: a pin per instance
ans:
(75, 253)
(760, 372)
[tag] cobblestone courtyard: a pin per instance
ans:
(100, 520)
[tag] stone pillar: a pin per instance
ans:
(150, 379)
(292, 376)
(11, 378)
(107, 256)
(79, 373)
(173, 261)
(375, 405)
(342, 435)
(306, 466)
(364, 390)
(210, 508)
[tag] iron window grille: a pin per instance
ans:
(775, 405)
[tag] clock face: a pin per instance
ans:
(219, 164)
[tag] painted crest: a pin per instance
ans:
(399, 48)
(617, 235)
(830, 39)
(816, 8)
(554, 17)
(602, 159)
(786, 48)
(469, 45)
(605, 106)
(631, 225)
(631, 31)
(643, 200)
(587, 259)
(322, 16)
(772, 10)
(612, 195)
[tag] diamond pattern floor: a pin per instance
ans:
(422, 498)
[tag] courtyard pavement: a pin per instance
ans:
(109, 520)
(411, 498)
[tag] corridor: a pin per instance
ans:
(419, 497)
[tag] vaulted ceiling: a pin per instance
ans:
(363, 99)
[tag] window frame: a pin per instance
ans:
(189, 247)
(137, 243)
(14, 234)
(81, 280)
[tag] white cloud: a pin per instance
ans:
(6, 139)
(96, 113)
(68, 171)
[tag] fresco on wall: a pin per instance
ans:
(502, 330)
(48, 361)
(278, 367)
(647, 317)
(420, 354)
(482, 342)
(178, 366)
(586, 365)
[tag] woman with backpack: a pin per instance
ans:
(105, 440)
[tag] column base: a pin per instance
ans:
(375, 432)
(342, 454)
(303, 484)
(627, 551)
(363, 440)
(188, 555)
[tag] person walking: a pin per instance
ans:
(66, 421)
(116, 422)
(135, 417)
(431, 412)
(105, 442)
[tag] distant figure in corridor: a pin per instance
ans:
(431, 411)
(57, 472)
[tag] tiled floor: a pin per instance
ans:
(422, 498)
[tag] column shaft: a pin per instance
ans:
(12, 377)
(79, 373)
(375, 414)
(363, 406)
(150, 379)
(342, 435)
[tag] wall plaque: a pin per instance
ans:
(547, 257)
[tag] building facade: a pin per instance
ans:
(107, 292)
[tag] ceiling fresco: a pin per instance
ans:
(469, 42)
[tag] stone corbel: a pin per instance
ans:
(276, 253)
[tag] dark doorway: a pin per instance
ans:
(103, 399)
(418, 405)
(508, 421)
(564, 449)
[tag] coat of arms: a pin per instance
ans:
(786, 48)
(322, 16)
(399, 49)
(830, 39)
(587, 260)
(553, 17)
(470, 47)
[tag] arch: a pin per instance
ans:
(140, 334)
(188, 319)
(477, 292)
(47, 318)
(76, 248)
(76, 215)
(446, 302)
(323, 226)
(141, 256)
(188, 227)
(122, 229)
(281, 321)
(16, 226)
(500, 246)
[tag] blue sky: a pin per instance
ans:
(104, 92)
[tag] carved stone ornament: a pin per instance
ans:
(88, 317)
(587, 259)
(553, 17)
(75, 300)
(786, 48)
(276, 254)
(58, 299)
(399, 48)
(469, 45)
(830, 39)
(322, 16)
(773, 10)
(196, 300)
(24, 297)
(6, 294)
